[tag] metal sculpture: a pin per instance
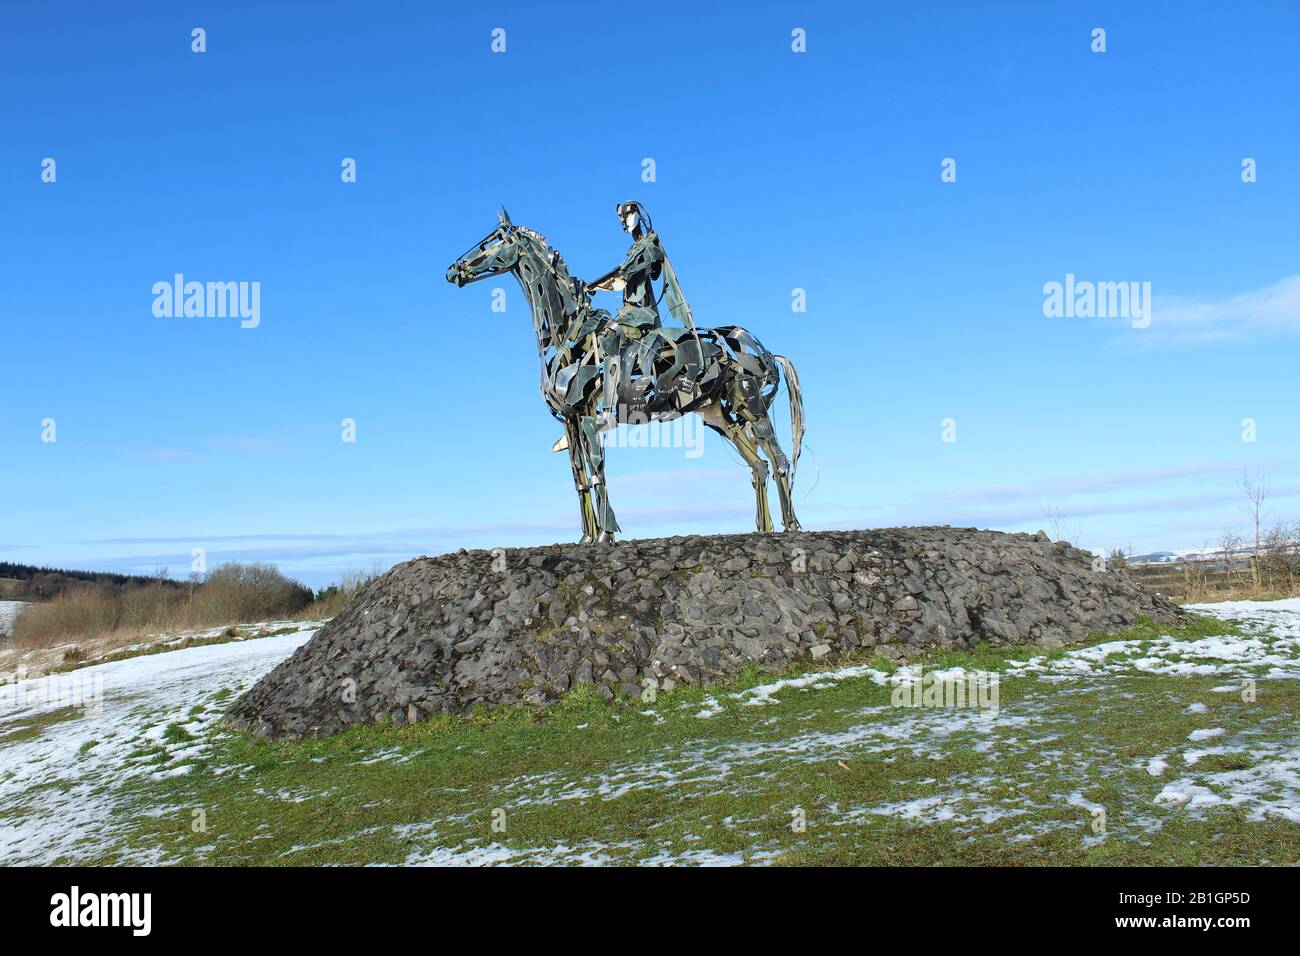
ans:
(600, 371)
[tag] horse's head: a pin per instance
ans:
(495, 255)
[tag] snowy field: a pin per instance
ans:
(1153, 749)
(8, 611)
(117, 712)
(20, 662)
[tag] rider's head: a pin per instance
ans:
(634, 218)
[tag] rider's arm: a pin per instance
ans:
(645, 254)
(611, 281)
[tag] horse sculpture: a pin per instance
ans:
(597, 375)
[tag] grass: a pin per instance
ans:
(631, 782)
(455, 771)
(176, 734)
(35, 726)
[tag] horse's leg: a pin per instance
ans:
(781, 470)
(740, 436)
(593, 431)
(581, 482)
(752, 425)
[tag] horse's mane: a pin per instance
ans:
(554, 264)
(550, 256)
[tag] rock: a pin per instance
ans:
(442, 634)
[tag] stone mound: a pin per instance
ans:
(522, 626)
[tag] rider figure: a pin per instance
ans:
(638, 353)
(635, 276)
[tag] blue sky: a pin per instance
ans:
(774, 170)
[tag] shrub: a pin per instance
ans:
(79, 610)
(332, 599)
(231, 594)
(248, 592)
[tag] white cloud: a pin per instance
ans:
(1099, 482)
(1149, 492)
(1251, 316)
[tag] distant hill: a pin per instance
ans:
(25, 582)
(1155, 557)
(1187, 554)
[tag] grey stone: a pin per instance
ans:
(440, 634)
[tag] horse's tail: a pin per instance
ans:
(796, 411)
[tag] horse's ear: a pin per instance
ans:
(504, 217)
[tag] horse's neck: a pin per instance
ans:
(541, 288)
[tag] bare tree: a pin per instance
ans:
(1229, 547)
(1255, 488)
(1053, 516)
(1059, 531)
(1279, 557)
(1198, 572)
